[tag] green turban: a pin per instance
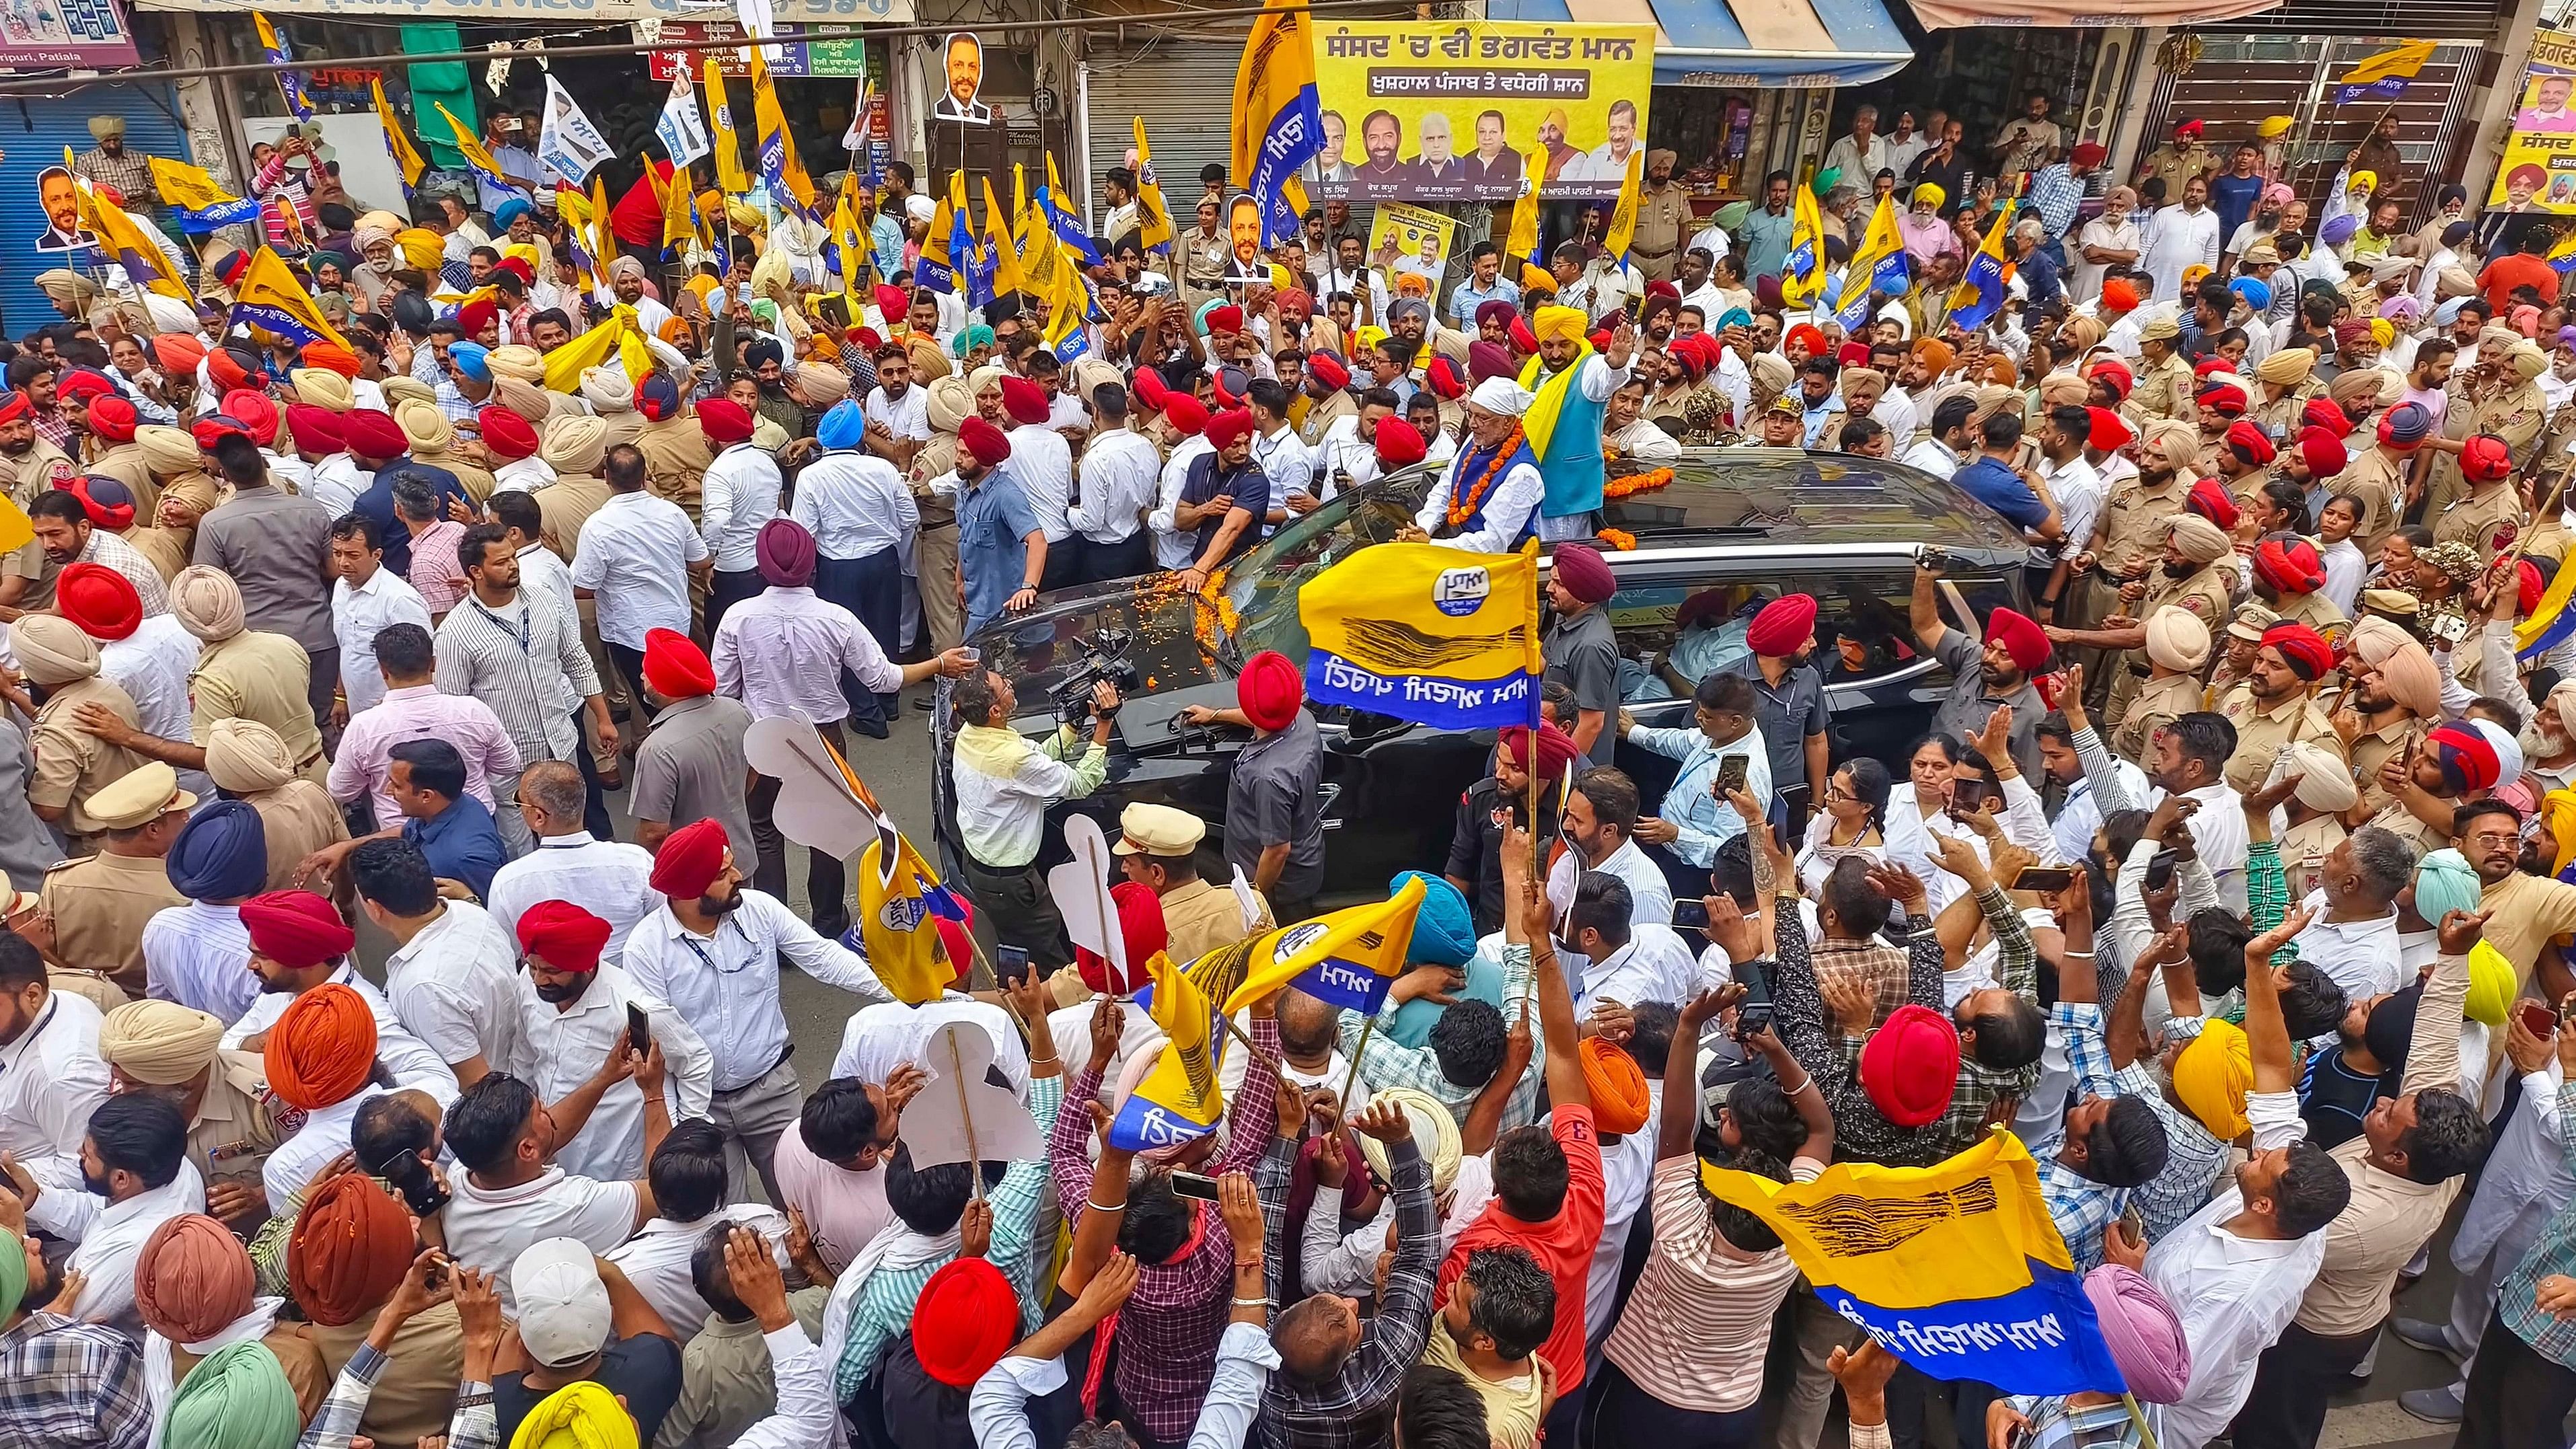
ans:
(235, 1398)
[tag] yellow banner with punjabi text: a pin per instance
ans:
(2538, 168)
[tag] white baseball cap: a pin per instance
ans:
(563, 1307)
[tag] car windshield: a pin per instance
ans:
(1261, 585)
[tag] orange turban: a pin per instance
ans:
(322, 1048)
(193, 1279)
(352, 1245)
(1618, 1088)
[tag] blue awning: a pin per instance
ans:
(1789, 43)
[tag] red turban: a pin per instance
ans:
(113, 418)
(351, 1247)
(1852, 354)
(225, 371)
(2210, 499)
(476, 315)
(211, 429)
(564, 935)
(373, 433)
(256, 414)
(14, 405)
(1186, 414)
(1783, 627)
(1228, 428)
(1556, 749)
(1583, 573)
(1269, 690)
(2322, 452)
(323, 1048)
(1525, 341)
(1228, 318)
(983, 440)
(1805, 335)
(2116, 375)
(2302, 648)
(100, 600)
(114, 517)
(193, 1280)
(2466, 756)
(178, 352)
(2024, 640)
(2249, 443)
(2119, 296)
(1024, 401)
(690, 859)
(1153, 393)
(506, 435)
(2289, 564)
(2188, 130)
(723, 421)
(1140, 926)
(316, 430)
(2226, 400)
(1398, 444)
(81, 384)
(2088, 153)
(2485, 458)
(2321, 412)
(967, 1317)
(519, 268)
(1445, 383)
(2214, 365)
(1325, 368)
(675, 667)
(1910, 1065)
(2110, 432)
(2528, 585)
(330, 357)
(296, 929)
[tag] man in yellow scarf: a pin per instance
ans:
(1570, 386)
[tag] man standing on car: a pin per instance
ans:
(1004, 783)
(1582, 654)
(1983, 675)
(1274, 817)
(1789, 701)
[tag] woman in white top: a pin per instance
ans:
(1853, 820)
(2102, 241)
(2342, 558)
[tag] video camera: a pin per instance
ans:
(1104, 657)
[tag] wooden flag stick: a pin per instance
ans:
(974, 1155)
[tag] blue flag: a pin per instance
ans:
(1278, 121)
(1980, 293)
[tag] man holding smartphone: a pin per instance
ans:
(1721, 752)
(1983, 674)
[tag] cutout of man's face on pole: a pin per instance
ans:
(1243, 225)
(61, 202)
(965, 71)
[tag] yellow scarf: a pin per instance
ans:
(1538, 424)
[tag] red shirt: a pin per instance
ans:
(2518, 270)
(1562, 1245)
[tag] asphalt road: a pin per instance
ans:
(897, 769)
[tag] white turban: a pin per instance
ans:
(2177, 639)
(1500, 395)
(920, 208)
(2325, 781)
(624, 265)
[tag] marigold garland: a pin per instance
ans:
(1619, 539)
(1465, 501)
(1637, 483)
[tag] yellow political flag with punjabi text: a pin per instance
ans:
(729, 173)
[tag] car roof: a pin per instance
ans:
(1781, 496)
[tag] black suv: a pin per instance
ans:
(1734, 529)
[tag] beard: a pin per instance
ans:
(2181, 570)
(98, 1185)
(562, 992)
(721, 905)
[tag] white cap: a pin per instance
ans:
(563, 1307)
(1500, 395)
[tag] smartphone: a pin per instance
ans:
(1967, 797)
(1730, 775)
(2048, 879)
(1690, 916)
(1754, 1014)
(2539, 1018)
(1932, 557)
(1192, 1184)
(2160, 869)
(1010, 964)
(639, 1030)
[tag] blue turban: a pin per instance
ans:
(2449, 312)
(470, 359)
(2338, 229)
(2445, 882)
(1444, 930)
(511, 209)
(221, 853)
(844, 426)
(2256, 292)
(1734, 317)
(762, 350)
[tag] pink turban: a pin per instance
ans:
(2144, 1336)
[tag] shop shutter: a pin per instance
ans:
(33, 133)
(2243, 77)
(2474, 21)
(1185, 92)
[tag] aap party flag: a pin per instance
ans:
(290, 84)
(1179, 1099)
(1278, 122)
(200, 204)
(1346, 959)
(2383, 76)
(269, 298)
(567, 141)
(1954, 1268)
(1877, 265)
(683, 132)
(1980, 293)
(1439, 636)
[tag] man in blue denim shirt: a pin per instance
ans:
(1001, 550)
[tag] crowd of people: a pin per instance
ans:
(2228, 877)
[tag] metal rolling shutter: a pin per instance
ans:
(33, 132)
(1185, 91)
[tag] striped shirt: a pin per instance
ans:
(525, 660)
(63, 1382)
(2550, 1336)
(1699, 1320)
(1386, 1062)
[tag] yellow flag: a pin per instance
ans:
(678, 227)
(778, 164)
(1153, 218)
(1802, 276)
(621, 337)
(1007, 277)
(854, 256)
(1877, 266)
(604, 251)
(1019, 190)
(470, 148)
(269, 298)
(124, 242)
(729, 177)
(407, 157)
(1623, 221)
(1428, 633)
(1347, 958)
(1522, 245)
(185, 186)
(1179, 1098)
(938, 267)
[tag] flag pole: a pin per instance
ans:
(1529, 776)
(974, 1155)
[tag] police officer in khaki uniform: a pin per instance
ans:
(2275, 705)
(2197, 574)
(1155, 847)
(24, 916)
(2492, 505)
(2178, 160)
(171, 1051)
(100, 904)
(2504, 399)
(32, 467)
(2164, 387)
(72, 763)
(1663, 216)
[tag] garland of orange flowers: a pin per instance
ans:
(1637, 483)
(1466, 500)
(1619, 539)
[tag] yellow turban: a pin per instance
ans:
(159, 1043)
(582, 1415)
(2212, 1076)
(421, 248)
(2364, 181)
(1927, 192)
(1559, 324)
(2382, 331)
(2558, 812)
(2491, 985)
(1365, 337)
(2287, 367)
(322, 388)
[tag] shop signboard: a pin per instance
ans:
(50, 34)
(792, 58)
(1430, 111)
